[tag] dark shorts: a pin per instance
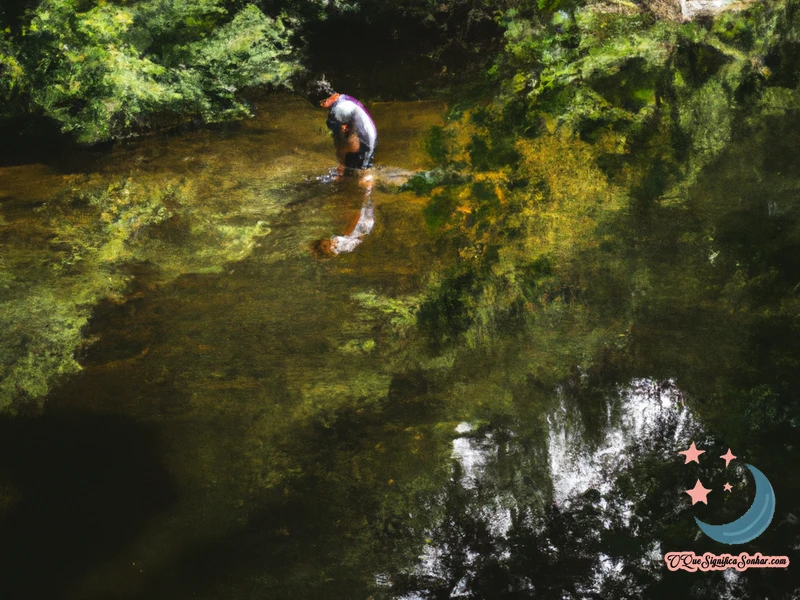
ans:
(361, 159)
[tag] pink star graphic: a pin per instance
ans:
(698, 493)
(691, 454)
(727, 487)
(728, 456)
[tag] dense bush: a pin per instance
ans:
(107, 69)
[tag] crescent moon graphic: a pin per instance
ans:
(752, 523)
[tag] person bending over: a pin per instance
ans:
(355, 136)
(355, 139)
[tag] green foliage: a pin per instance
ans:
(705, 119)
(112, 69)
(12, 73)
(12, 77)
(608, 121)
(250, 50)
(74, 246)
(400, 312)
(436, 144)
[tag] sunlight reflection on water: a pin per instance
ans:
(645, 416)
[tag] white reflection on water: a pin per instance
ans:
(644, 416)
(472, 454)
(651, 417)
(647, 410)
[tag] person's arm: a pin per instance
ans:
(345, 140)
(342, 123)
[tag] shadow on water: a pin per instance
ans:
(325, 533)
(320, 532)
(83, 487)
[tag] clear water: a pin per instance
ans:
(243, 424)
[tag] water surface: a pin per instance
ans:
(227, 414)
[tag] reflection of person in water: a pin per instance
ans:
(363, 226)
(355, 138)
(360, 226)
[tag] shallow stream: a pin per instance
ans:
(226, 413)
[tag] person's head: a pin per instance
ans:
(320, 90)
(322, 248)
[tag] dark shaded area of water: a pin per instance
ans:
(88, 485)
